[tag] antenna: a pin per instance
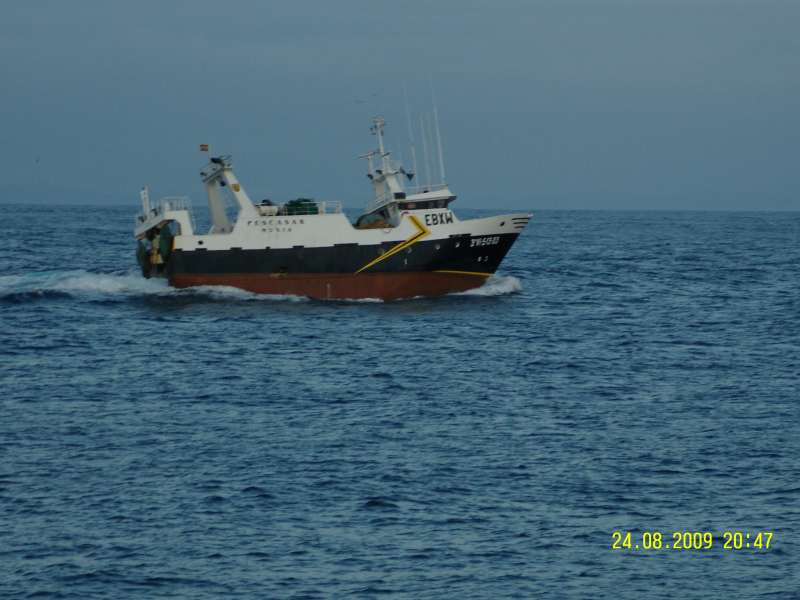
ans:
(379, 123)
(431, 149)
(410, 131)
(145, 196)
(424, 135)
(438, 135)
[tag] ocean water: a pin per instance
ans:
(624, 372)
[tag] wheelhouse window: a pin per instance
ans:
(375, 220)
(426, 204)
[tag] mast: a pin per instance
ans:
(424, 131)
(387, 180)
(145, 196)
(378, 123)
(438, 135)
(410, 132)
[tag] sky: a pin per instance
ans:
(562, 104)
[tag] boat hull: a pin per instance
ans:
(340, 286)
(388, 271)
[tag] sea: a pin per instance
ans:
(623, 372)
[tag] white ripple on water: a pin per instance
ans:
(496, 285)
(79, 282)
(84, 284)
(226, 292)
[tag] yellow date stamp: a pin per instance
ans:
(691, 540)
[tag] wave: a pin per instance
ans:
(86, 285)
(496, 285)
(225, 292)
(77, 283)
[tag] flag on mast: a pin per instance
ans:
(203, 147)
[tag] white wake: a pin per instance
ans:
(84, 284)
(496, 285)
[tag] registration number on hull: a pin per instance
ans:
(491, 240)
(444, 218)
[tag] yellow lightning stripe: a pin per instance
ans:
(464, 273)
(422, 231)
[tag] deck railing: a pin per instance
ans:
(330, 207)
(165, 205)
(420, 189)
(388, 197)
(324, 207)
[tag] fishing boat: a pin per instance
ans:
(407, 243)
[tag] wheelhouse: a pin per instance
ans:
(392, 197)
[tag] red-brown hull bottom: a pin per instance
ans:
(333, 286)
